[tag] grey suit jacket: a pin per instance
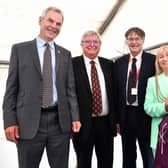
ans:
(23, 96)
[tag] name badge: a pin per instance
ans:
(134, 91)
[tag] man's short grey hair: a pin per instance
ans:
(52, 8)
(91, 32)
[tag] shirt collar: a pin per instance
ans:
(138, 57)
(41, 42)
(87, 60)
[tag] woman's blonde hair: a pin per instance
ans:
(159, 70)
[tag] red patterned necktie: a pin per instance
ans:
(96, 91)
(47, 77)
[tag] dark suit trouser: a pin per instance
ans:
(100, 137)
(48, 136)
(132, 132)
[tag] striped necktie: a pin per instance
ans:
(47, 77)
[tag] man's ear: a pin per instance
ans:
(40, 20)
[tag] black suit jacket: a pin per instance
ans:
(147, 70)
(84, 94)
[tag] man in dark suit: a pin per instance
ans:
(98, 129)
(29, 121)
(135, 125)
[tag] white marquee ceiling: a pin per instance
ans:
(19, 22)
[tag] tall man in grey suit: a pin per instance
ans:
(28, 122)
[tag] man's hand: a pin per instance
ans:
(76, 126)
(12, 133)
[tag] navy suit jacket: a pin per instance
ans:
(147, 70)
(84, 94)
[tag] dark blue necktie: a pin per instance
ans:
(132, 82)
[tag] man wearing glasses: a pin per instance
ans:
(94, 87)
(132, 73)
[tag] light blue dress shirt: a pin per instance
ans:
(41, 48)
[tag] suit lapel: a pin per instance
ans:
(102, 64)
(103, 67)
(35, 56)
(124, 69)
(82, 68)
(142, 68)
(57, 57)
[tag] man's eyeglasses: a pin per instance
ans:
(91, 41)
(134, 39)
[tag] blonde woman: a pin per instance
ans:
(156, 100)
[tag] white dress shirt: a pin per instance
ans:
(138, 65)
(101, 80)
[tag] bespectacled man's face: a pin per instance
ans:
(135, 43)
(91, 46)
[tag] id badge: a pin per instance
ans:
(134, 91)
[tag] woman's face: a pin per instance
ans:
(163, 60)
